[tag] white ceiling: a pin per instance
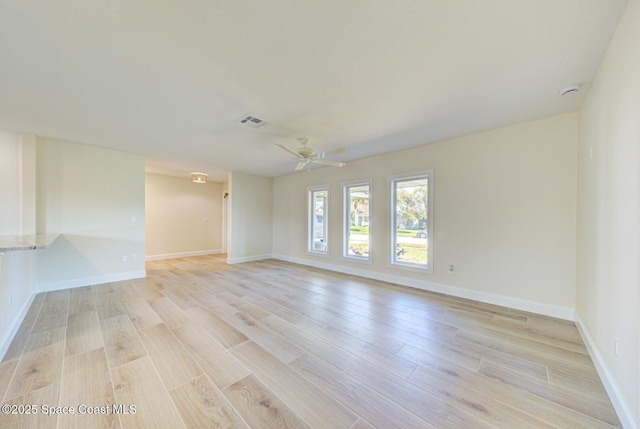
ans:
(168, 79)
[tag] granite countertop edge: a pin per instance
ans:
(9, 243)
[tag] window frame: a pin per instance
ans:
(346, 219)
(393, 239)
(311, 220)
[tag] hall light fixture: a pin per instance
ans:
(199, 177)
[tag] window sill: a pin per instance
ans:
(413, 268)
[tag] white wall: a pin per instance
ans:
(250, 218)
(505, 215)
(17, 164)
(226, 208)
(29, 184)
(608, 257)
(10, 183)
(94, 198)
(16, 293)
(182, 218)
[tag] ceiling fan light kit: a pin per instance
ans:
(307, 155)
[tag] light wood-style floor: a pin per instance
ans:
(203, 344)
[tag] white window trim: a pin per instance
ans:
(428, 269)
(311, 219)
(346, 221)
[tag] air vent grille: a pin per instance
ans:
(252, 121)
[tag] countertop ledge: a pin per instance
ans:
(9, 243)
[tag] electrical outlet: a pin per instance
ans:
(124, 258)
(451, 269)
(134, 258)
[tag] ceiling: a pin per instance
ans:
(168, 79)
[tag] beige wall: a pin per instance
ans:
(505, 215)
(608, 263)
(250, 218)
(182, 218)
(94, 198)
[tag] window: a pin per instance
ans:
(412, 220)
(357, 226)
(318, 215)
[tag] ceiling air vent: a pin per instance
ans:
(252, 121)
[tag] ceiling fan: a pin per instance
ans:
(307, 155)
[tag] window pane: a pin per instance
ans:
(357, 230)
(319, 222)
(411, 220)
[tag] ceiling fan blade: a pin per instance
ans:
(291, 151)
(301, 164)
(330, 163)
(330, 152)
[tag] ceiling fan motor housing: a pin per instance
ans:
(306, 151)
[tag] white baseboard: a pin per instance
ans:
(8, 336)
(89, 281)
(611, 386)
(504, 301)
(249, 259)
(182, 254)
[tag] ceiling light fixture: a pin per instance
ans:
(199, 177)
(571, 89)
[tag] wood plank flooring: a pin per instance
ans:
(203, 344)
